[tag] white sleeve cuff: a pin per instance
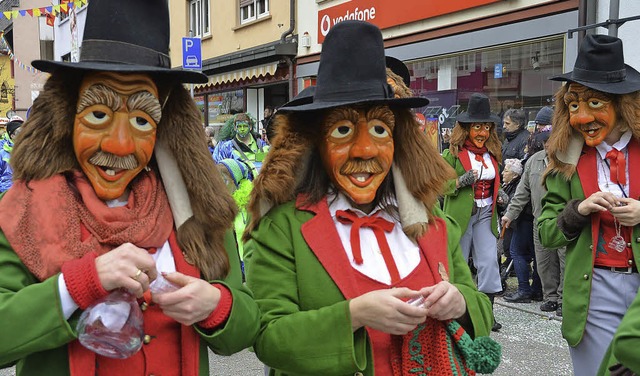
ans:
(69, 306)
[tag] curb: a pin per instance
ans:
(548, 316)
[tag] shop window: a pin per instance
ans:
(199, 18)
(220, 106)
(513, 76)
(251, 10)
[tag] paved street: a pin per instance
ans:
(531, 346)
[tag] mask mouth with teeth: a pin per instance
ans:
(115, 129)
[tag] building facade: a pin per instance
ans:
(248, 52)
(504, 49)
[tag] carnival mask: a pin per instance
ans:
(357, 150)
(114, 130)
(592, 113)
(242, 129)
(479, 133)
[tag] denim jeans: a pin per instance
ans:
(523, 253)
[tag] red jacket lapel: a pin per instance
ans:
(324, 241)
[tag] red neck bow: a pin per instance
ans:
(379, 226)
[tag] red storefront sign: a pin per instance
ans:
(386, 13)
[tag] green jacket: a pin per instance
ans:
(35, 333)
(459, 202)
(579, 258)
(294, 268)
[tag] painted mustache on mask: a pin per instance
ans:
(367, 166)
(104, 159)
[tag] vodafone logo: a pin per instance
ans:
(327, 21)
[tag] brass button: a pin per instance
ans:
(358, 374)
(146, 339)
(591, 246)
(586, 276)
(629, 245)
(637, 240)
(630, 262)
(144, 306)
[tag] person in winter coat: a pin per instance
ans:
(114, 188)
(592, 206)
(339, 241)
(472, 199)
(516, 134)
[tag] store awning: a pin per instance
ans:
(242, 74)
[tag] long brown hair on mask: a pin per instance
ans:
(460, 133)
(46, 149)
(627, 107)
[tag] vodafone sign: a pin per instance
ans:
(385, 13)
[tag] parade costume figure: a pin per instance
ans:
(338, 216)
(113, 186)
(471, 199)
(591, 206)
(243, 147)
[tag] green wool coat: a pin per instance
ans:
(580, 256)
(35, 334)
(458, 202)
(306, 322)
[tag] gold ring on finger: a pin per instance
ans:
(137, 274)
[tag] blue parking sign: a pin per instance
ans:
(191, 53)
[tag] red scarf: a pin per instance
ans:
(479, 152)
(44, 227)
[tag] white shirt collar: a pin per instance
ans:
(341, 202)
(603, 148)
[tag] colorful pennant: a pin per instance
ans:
(37, 12)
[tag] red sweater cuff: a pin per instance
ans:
(222, 311)
(81, 278)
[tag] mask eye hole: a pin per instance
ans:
(97, 117)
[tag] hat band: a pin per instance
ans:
(112, 52)
(603, 77)
(370, 91)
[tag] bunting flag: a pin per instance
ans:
(54, 10)
(13, 57)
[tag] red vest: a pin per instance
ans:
(602, 225)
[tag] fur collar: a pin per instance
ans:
(203, 209)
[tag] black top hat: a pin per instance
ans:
(303, 97)
(399, 68)
(600, 66)
(352, 71)
(478, 111)
(126, 36)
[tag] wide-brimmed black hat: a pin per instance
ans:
(399, 68)
(129, 36)
(600, 66)
(478, 111)
(353, 71)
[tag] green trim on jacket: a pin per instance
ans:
(306, 322)
(35, 332)
(579, 257)
(458, 202)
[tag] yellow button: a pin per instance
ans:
(144, 306)
(146, 339)
(637, 240)
(591, 246)
(357, 374)
(630, 262)
(586, 276)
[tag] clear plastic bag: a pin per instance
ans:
(113, 326)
